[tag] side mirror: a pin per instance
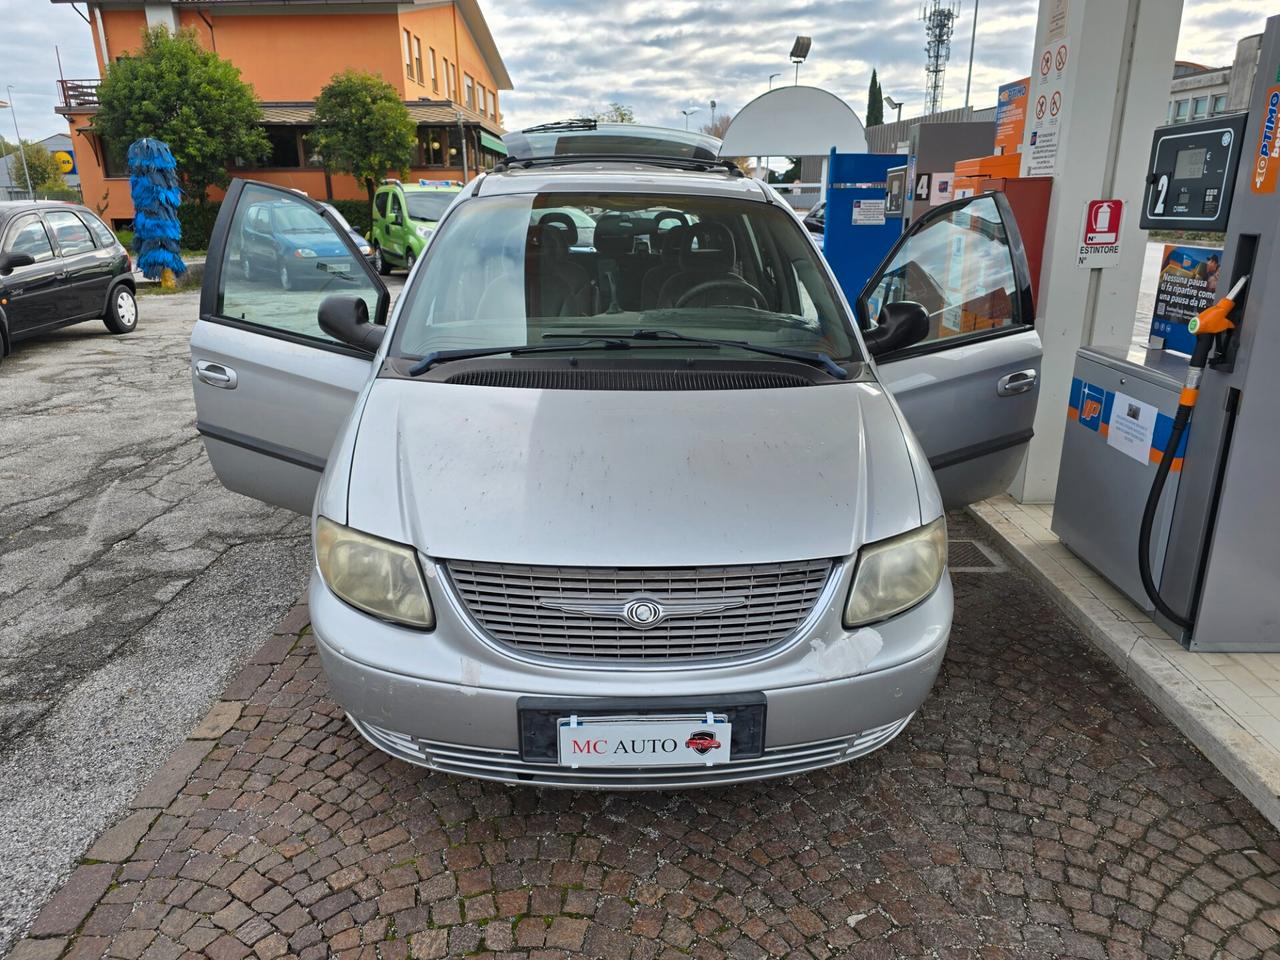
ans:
(8, 261)
(901, 324)
(346, 319)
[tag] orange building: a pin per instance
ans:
(438, 54)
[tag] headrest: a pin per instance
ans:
(615, 235)
(564, 222)
(673, 242)
(548, 241)
(715, 251)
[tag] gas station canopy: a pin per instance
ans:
(794, 121)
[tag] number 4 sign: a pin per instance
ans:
(922, 186)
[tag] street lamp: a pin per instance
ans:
(713, 113)
(799, 52)
(771, 76)
(894, 105)
(22, 153)
(688, 113)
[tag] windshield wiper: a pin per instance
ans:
(467, 353)
(814, 358)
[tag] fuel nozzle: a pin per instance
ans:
(1213, 320)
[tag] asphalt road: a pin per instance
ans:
(131, 584)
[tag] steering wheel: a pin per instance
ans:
(722, 284)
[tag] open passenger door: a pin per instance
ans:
(968, 385)
(272, 389)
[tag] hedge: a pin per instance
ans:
(197, 221)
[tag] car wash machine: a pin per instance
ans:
(1171, 466)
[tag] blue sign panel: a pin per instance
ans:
(1188, 284)
(859, 230)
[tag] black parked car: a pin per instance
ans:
(59, 264)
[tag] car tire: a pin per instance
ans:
(286, 280)
(409, 261)
(380, 262)
(122, 311)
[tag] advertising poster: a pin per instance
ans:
(1188, 283)
(1011, 115)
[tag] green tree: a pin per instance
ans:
(192, 99)
(875, 103)
(363, 128)
(43, 168)
(614, 113)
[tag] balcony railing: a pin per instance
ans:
(79, 93)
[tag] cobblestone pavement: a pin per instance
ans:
(1037, 806)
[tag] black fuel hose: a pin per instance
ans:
(1180, 420)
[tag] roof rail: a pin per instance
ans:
(391, 180)
(674, 163)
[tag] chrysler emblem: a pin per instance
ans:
(641, 612)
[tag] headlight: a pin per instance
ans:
(305, 252)
(365, 249)
(424, 231)
(373, 575)
(894, 575)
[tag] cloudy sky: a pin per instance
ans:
(659, 56)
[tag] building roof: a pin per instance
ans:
(470, 10)
(440, 112)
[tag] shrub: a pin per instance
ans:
(197, 220)
(357, 213)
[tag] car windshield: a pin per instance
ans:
(429, 206)
(513, 270)
(295, 218)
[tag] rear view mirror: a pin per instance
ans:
(346, 319)
(900, 324)
(8, 261)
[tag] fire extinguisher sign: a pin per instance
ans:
(1100, 234)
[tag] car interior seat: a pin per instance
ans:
(673, 241)
(554, 286)
(709, 256)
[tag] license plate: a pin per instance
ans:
(652, 741)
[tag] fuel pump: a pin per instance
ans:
(1209, 325)
(1169, 461)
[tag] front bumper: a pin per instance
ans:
(448, 699)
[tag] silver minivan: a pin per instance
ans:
(653, 508)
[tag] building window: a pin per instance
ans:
(284, 147)
(489, 108)
(408, 54)
(417, 60)
(435, 79)
(448, 80)
(434, 144)
(1199, 108)
(470, 87)
(1220, 103)
(115, 158)
(1180, 110)
(453, 76)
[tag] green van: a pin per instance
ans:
(404, 217)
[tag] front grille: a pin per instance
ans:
(764, 604)
(506, 765)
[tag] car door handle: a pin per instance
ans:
(1014, 383)
(216, 375)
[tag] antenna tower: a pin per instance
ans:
(939, 20)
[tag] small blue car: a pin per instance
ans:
(291, 243)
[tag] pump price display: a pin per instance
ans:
(1192, 174)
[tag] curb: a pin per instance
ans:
(56, 924)
(1252, 768)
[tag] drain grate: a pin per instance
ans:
(973, 556)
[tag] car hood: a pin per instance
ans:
(623, 478)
